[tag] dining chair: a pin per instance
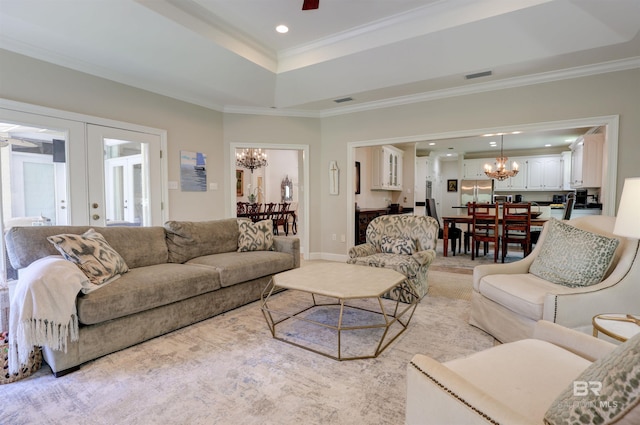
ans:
(241, 208)
(253, 211)
(484, 228)
(568, 209)
(455, 234)
(281, 218)
(516, 227)
(269, 211)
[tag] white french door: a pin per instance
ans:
(125, 182)
(67, 171)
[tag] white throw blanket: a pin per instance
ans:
(43, 308)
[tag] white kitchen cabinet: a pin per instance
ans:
(566, 170)
(387, 168)
(517, 182)
(544, 173)
(586, 161)
(474, 168)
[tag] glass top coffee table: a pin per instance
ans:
(337, 308)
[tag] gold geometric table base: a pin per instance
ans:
(390, 313)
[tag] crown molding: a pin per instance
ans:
(545, 77)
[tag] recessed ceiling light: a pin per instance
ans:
(516, 132)
(432, 143)
(282, 29)
(547, 145)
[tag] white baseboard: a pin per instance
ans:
(327, 256)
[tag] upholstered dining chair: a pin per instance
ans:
(404, 243)
(455, 234)
(516, 227)
(484, 228)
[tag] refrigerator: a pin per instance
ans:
(480, 191)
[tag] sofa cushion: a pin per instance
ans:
(144, 288)
(404, 264)
(589, 255)
(191, 239)
(616, 380)
(397, 245)
(521, 293)
(92, 254)
(240, 267)
(256, 236)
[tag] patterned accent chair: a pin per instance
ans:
(404, 243)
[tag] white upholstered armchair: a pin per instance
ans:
(508, 299)
(531, 381)
(404, 243)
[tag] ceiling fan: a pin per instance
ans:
(310, 4)
(6, 140)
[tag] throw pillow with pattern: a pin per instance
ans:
(402, 245)
(256, 236)
(92, 254)
(612, 394)
(573, 257)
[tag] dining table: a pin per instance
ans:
(452, 220)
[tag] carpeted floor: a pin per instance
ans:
(229, 370)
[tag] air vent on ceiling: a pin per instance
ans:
(344, 99)
(478, 75)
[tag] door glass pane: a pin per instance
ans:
(125, 189)
(34, 178)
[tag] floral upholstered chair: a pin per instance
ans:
(404, 243)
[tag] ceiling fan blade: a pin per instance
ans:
(310, 4)
(18, 142)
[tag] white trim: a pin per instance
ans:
(609, 183)
(231, 177)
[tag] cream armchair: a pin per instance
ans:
(528, 382)
(404, 243)
(507, 299)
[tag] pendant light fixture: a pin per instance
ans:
(501, 173)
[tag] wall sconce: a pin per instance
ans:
(334, 178)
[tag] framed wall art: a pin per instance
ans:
(452, 185)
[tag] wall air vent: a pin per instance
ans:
(478, 75)
(344, 99)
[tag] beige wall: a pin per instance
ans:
(601, 95)
(196, 128)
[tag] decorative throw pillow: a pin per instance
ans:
(256, 236)
(573, 257)
(92, 253)
(401, 245)
(607, 392)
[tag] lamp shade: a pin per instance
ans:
(628, 219)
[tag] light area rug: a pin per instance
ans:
(229, 370)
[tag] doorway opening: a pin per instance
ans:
(283, 180)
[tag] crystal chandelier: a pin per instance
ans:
(501, 173)
(251, 158)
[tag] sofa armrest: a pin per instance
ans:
(424, 257)
(289, 246)
(579, 343)
(362, 250)
(438, 395)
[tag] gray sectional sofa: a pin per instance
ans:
(178, 274)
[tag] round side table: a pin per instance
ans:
(615, 325)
